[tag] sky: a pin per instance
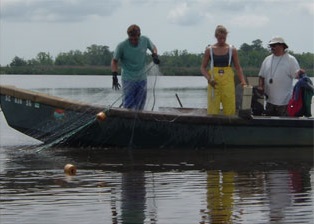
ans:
(28, 27)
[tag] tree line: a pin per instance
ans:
(95, 60)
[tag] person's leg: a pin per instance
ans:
(140, 95)
(228, 92)
(128, 94)
(228, 99)
(282, 110)
(270, 110)
(213, 98)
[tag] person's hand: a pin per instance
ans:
(212, 82)
(260, 90)
(155, 59)
(300, 73)
(243, 83)
(115, 81)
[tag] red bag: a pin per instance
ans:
(295, 104)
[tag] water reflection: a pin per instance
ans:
(223, 186)
(133, 198)
(220, 194)
(247, 185)
(274, 194)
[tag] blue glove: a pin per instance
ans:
(155, 59)
(115, 81)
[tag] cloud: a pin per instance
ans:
(55, 10)
(308, 7)
(248, 21)
(184, 15)
(192, 12)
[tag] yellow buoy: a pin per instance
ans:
(101, 116)
(70, 169)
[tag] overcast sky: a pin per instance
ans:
(28, 27)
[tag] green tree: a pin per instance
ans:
(32, 62)
(98, 55)
(257, 45)
(306, 60)
(252, 55)
(245, 47)
(177, 58)
(72, 58)
(176, 62)
(44, 58)
(17, 61)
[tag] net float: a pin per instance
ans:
(70, 169)
(101, 116)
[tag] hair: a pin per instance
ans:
(220, 29)
(134, 31)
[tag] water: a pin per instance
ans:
(265, 185)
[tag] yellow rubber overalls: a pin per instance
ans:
(224, 91)
(220, 195)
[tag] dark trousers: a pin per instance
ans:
(134, 94)
(275, 110)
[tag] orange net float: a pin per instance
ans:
(70, 169)
(101, 116)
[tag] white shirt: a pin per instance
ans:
(278, 73)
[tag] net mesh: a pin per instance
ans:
(74, 126)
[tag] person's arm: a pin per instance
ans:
(155, 51)
(204, 71)
(205, 61)
(204, 64)
(237, 66)
(114, 65)
(261, 84)
(155, 56)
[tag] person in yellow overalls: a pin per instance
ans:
(220, 76)
(220, 196)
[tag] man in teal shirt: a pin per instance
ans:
(132, 55)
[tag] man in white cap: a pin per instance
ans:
(276, 77)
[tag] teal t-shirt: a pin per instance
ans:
(133, 58)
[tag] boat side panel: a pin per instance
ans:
(47, 118)
(146, 134)
(40, 121)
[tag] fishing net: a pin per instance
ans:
(65, 127)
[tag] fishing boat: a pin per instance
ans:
(54, 120)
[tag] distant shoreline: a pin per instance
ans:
(105, 70)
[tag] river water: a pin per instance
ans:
(229, 185)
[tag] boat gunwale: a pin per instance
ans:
(43, 98)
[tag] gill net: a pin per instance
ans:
(106, 98)
(83, 123)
